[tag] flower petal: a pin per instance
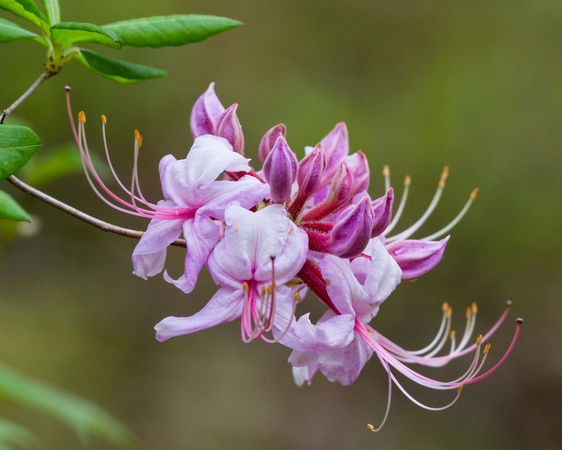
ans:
(224, 306)
(149, 255)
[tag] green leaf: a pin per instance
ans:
(82, 415)
(67, 33)
(17, 145)
(53, 10)
(14, 434)
(9, 31)
(9, 209)
(52, 165)
(175, 30)
(25, 9)
(116, 70)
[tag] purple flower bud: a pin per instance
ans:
(206, 113)
(309, 175)
(360, 172)
(338, 196)
(280, 170)
(336, 145)
(382, 212)
(416, 258)
(269, 138)
(352, 231)
(229, 128)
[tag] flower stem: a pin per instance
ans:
(104, 226)
(46, 74)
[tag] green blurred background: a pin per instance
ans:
(473, 85)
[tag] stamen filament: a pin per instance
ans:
(456, 220)
(412, 229)
(392, 224)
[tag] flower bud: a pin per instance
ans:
(269, 138)
(352, 231)
(229, 128)
(416, 258)
(382, 212)
(310, 171)
(336, 145)
(338, 196)
(206, 113)
(280, 170)
(360, 169)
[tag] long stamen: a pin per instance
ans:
(392, 224)
(296, 300)
(446, 315)
(156, 211)
(456, 220)
(412, 229)
(387, 368)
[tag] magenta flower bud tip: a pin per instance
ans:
(360, 173)
(269, 139)
(280, 170)
(311, 169)
(416, 258)
(206, 113)
(229, 128)
(382, 211)
(336, 145)
(352, 232)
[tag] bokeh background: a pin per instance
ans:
(473, 85)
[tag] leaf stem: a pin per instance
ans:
(104, 226)
(44, 76)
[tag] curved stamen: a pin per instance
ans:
(155, 211)
(387, 368)
(412, 229)
(456, 220)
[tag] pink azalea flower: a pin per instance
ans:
(342, 341)
(260, 253)
(194, 200)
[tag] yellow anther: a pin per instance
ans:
(82, 117)
(236, 228)
(487, 348)
(245, 286)
(468, 311)
(459, 389)
(138, 137)
(474, 193)
(103, 119)
(445, 306)
(474, 308)
(270, 289)
(478, 339)
(296, 297)
(385, 171)
(449, 311)
(452, 335)
(370, 427)
(407, 180)
(263, 291)
(444, 176)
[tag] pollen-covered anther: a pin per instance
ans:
(103, 119)
(444, 176)
(82, 117)
(478, 340)
(138, 138)
(487, 348)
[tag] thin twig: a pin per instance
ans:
(104, 226)
(44, 76)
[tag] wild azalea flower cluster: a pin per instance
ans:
(268, 237)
